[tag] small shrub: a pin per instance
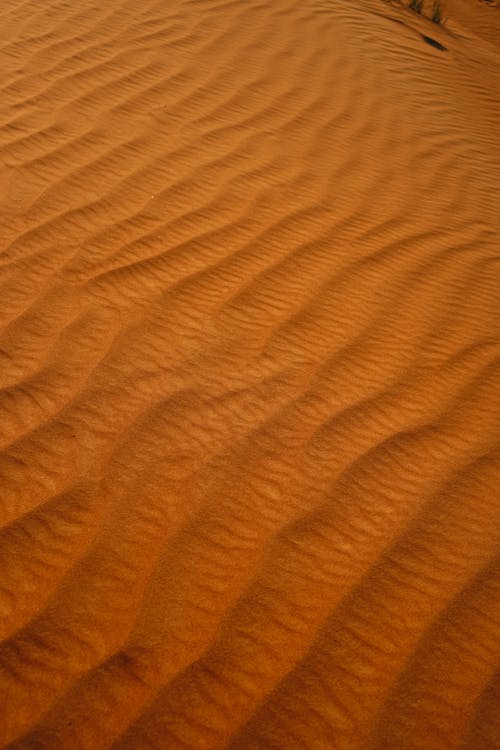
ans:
(437, 12)
(417, 5)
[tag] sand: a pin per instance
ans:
(250, 375)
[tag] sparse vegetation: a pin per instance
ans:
(437, 15)
(437, 12)
(417, 5)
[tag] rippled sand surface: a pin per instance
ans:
(250, 375)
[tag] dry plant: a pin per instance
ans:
(437, 12)
(416, 5)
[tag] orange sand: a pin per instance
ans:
(250, 375)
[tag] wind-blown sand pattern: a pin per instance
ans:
(250, 375)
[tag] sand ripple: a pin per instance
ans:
(249, 376)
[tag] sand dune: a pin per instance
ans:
(250, 375)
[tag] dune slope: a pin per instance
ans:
(249, 375)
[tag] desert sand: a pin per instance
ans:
(250, 375)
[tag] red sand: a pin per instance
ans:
(250, 375)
